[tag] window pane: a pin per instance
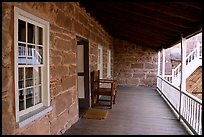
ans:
(39, 36)
(29, 97)
(21, 100)
(21, 31)
(31, 54)
(31, 33)
(37, 75)
(38, 97)
(20, 78)
(29, 76)
(21, 54)
(39, 54)
(99, 54)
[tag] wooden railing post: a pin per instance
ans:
(158, 71)
(183, 77)
(198, 47)
(163, 67)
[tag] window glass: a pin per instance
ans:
(31, 33)
(40, 36)
(21, 31)
(20, 78)
(21, 100)
(29, 97)
(39, 55)
(21, 54)
(37, 75)
(29, 76)
(31, 55)
(38, 97)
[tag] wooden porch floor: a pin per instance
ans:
(138, 111)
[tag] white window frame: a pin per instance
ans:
(26, 116)
(100, 60)
(108, 63)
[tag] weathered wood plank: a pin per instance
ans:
(138, 111)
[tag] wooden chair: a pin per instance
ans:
(97, 89)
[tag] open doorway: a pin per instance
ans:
(83, 74)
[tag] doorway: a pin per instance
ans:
(83, 74)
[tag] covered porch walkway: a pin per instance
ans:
(138, 111)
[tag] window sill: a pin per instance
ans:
(28, 118)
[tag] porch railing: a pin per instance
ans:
(187, 106)
(33, 55)
(193, 61)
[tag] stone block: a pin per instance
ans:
(6, 79)
(7, 119)
(137, 65)
(57, 124)
(63, 101)
(68, 82)
(39, 127)
(69, 58)
(63, 20)
(150, 66)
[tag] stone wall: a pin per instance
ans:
(66, 20)
(136, 65)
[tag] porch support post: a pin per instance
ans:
(198, 47)
(163, 63)
(183, 63)
(158, 71)
(183, 76)
(163, 69)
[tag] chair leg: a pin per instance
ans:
(111, 102)
(97, 98)
(114, 99)
(92, 101)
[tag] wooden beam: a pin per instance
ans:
(194, 5)
(139, 12)
(170, 11)
(158, 25)
(141, 43)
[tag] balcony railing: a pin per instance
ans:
(188, 107)
(193, 61)
(32, 55)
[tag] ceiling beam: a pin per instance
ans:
(194, 5)
(106, 16)
(140, 43)
(168, 10)
(139, 12)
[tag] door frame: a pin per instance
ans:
(84, 103)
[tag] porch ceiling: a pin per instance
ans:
(152, 24)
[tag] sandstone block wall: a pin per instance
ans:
(136, 65)
(66, 20)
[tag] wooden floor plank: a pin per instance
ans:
(138, 111)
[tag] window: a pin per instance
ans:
(31, 48)
(100, 61)
(108, 63)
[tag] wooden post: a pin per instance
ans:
(183, 64)
(198, 47)
(163, 63)
(158, 71)
(163, 69)
(183, 76)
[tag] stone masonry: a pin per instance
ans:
(136, 65)
(66, 20)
